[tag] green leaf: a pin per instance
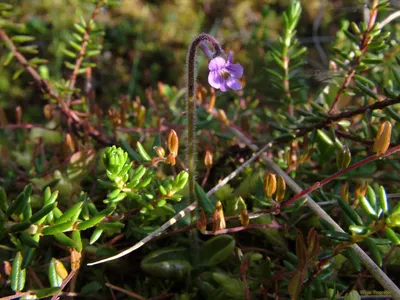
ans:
(64, 240)
(95, 235)
(47, 292)
(351, 36)
(204, 201)
(76, 46)
(29, 240)
(91, 222)
(233, 288)
(5, 6)
(351, 255)
(358, 229)
(340, 236)
(392, 236)
(216, 250)
(27, 254)
(72, 214)
(18, 276)
(375, 253)
(22, 38)
(142, 152)
(29, 49)
(167, 263)
(40, 216)
(366, 205)
(92, 53)
(138, 173)
(50, 230)
(54, 278)
(364, 80)
(69, 54)
(350, 212)
(3, 200)
(133, 155)
(19, 227)
(366, 90)
(383, 201)
(17, 206)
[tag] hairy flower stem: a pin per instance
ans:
(198, 41)
(191, 105)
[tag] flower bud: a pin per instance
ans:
(382, 140)
(170, 160)
(140, 116)
(343, 158)
(244, 218)
(344, 192)
(307, 156)
(360, 190)
(202, 223)
(201, 94)
(173, 143)
(160, 151)
(3, 117)
(244, 123)
(60, 269)
(280, 189)
(161, 88)
(75, 260)
(269, 184)
(212, 101)
(69, 142)
(291, 158)
(208, 159)
(222, 116)
(7, 268)
(18, 114)
(355, 28)
(218, 218)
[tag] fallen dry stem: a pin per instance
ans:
(377, 272)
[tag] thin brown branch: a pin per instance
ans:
(82, 51)
(26, 126)
(348, 114)
(41, 83)
(363, 46)
(18, 295)
(64, 283)
(354, 166)
(126, 292)
(45, 87)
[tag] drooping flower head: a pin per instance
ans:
(224, 74)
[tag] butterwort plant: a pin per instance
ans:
(223, 75)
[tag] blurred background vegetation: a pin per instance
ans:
(145, 42)
(142, 59)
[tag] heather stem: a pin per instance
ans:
(191, 104)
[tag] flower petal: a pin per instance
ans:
(229, 58)
(236, 70)
(233, 84)
(223, 87)
(216, 63)
(215, 79)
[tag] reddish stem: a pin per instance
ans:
(341, 172)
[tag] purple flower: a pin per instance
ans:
(224, 74)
